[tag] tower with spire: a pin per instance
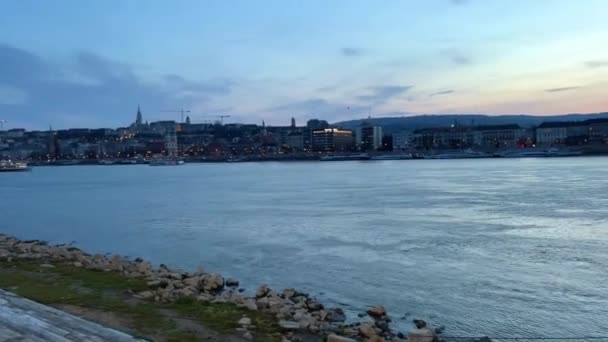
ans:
(138, 119)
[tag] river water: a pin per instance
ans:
(497, 247)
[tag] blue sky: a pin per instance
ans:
(76, 63)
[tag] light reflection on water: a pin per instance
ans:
(484, 247)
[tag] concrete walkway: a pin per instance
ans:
(24, 320)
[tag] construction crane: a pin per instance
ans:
(181, 111)
(2, 122)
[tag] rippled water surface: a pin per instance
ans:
(484, 247)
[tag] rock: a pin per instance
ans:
(145, 294)
(262, 291)
(262, 303)
(361, 315)
(249, 304)
(421, 335)
(213, 282)
(439, 329)
(336, 338)
(382, 325)
(288, 293)
(241, 290)
(116, 264)
(196, 281)
(245, 321)
(203, 297)
(367, 330)
(376, 311)
(419, 323)
(47, 266)
(485, 339)
(289, 325)
(77, 264)
(156, 283)
(175, 276)
(400, 335)
(247, 335)
(313, 305)
(376, 339)
(230, 282)
(335, 315)
(143, 267)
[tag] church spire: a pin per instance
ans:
(138, 120)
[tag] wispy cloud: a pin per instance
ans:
(461, 60)
(555, 90)
(351, 52)
(379, 95)
(444, 92)
(596, 64)
(456, 56)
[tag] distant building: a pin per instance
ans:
(316, 124)
(15, 133)
(139, 118)
(401, 140)
(598, 130)
(332, 140)
(293, 122)
(163, 127)
(498, 136)
(368, 137)
(295, 140)
(562, 133)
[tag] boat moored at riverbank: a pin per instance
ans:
(10, 166)
(166, 162)
(343, 157)
(539, 153)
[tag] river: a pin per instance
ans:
(496, 247)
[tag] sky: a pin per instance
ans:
(73, 63)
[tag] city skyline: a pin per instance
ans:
(91, 65)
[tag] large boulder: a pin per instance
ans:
(262, 291)
(289, 325)
(421, 335)
(249, 304)
(231, 282)
(367, 330)
(213, 282)
(377, 311)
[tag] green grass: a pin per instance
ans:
(68, 285)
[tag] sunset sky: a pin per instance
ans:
(73, 63)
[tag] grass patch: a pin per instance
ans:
(65, 284)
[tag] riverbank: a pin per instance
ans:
(166, 304)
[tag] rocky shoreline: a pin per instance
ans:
(296, 312)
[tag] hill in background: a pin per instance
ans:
(405, 123)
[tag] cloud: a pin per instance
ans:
(444, 92)
(555, 90)
(456, 56)
(89, 90)
(379, 95)
(351, 52)
(596, 64)
(460, 60)
(459, 2)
